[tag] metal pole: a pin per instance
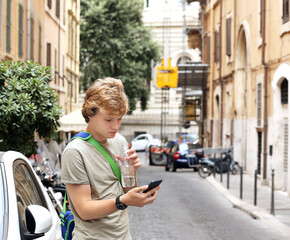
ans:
(255, 188)
(241, 183)
(221, 170)
(272, 194)
(214, 166)
(228, 177)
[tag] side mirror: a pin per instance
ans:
(38, 220)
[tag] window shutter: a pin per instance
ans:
(215, 46)
(8, 27)
(49, 4)
(20, 33)
(48, 54)
(285, 16)
(208, 50)
(228, 46)
(57, 9)
(39, 43)
(32, 39)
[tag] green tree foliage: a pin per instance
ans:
(27, 104)
(115, 43)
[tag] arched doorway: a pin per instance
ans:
(241, 97)
(280, 132)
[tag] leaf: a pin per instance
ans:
(26, 102)
(114, 42)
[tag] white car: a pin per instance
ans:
(143, 141)
(26, 211)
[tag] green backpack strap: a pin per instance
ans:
(64, 203)
(88, 137)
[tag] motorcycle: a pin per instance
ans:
(220, 165)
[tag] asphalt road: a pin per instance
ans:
(188, 207)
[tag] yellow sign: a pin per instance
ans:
(167, 76)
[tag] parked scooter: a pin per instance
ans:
(220, 165)
(47, 166)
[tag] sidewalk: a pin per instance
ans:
(281, 217)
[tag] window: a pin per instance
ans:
(228, 37)
(20, 32)
(27, 189)
(285, 17)
(216, 46)
(8, 27)
(55, 66)
(39, 43)
(284, 91)
(64, 13)
(49, 4)
(48, 54)
(261, 16)
(208, 50)
(32, 39)
(57, 9)
(259, 104)
(63, 69)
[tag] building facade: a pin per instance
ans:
(168, 21)
(21, 30)
(46, 32)
(246, 44)
(55, 45)
(72, 55)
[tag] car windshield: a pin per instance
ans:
(183, 147)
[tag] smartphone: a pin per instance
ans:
(152, 185)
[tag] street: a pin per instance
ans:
(188, 207)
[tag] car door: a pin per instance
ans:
(30, 192)
(3, 204)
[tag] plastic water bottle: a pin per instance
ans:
(127, 171)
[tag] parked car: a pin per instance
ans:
(26, 211)
(183, 155)
(189, 138)
(143, 141)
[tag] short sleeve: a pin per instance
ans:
(73, 168)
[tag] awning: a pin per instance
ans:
(72, 122)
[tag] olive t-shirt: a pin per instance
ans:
(82, 163)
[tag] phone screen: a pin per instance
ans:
(152, 185)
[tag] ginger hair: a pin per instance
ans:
(106, 95)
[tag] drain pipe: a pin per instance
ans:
(220, 76)
(265, 91)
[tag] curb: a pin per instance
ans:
(254, 211)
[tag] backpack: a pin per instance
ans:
(66, 217)
(67, 222)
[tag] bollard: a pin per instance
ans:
(221, 169)
(241, 183)
(255, 188)
(228, 176)
(214, 167)
(272, 194)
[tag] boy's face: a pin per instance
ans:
(104, 126)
